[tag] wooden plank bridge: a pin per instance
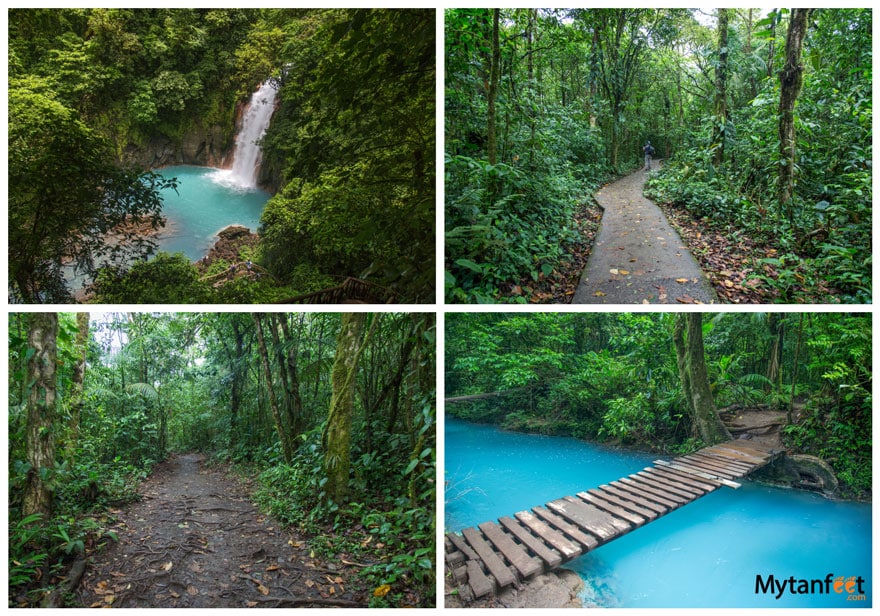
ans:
(496, 555)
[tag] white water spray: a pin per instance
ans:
(248, 153)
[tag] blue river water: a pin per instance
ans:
(706, 554)
(206, 201)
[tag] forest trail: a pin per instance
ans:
(196, 540)
(637, 257)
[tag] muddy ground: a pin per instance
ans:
(196, 540)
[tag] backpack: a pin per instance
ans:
(649, 150)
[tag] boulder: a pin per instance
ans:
(803, 472)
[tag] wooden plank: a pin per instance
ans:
(574, 532)
(696, 471)
(748, 450)
(608, 504)
(683, 479)
(728, 457)
(614, 496)
(454, 557)
(503, 576)
(703, 467)
(638, 500)
(633, 518)
(551, 557)
(459, 574)
(512, 551)
(735, 454)
(708, 455)
(704, 482)
(649, 495)
(550, 536)
(732, 472)
(477, 580)
(668, 484)
(590, 519)
(462, 546)
(640, 485)
(747, 447)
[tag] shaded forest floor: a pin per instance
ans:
(196, 540)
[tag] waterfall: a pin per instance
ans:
(247, 155)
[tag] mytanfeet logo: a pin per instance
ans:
(850, 588)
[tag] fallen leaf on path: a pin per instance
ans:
(682, 280)
(263, 590)
(644, 301)
(192, 590)
(729, 284)
(294, 544)
(174, 594)
(167, 566)
(252, 603)
(272, 568)
(109, 599)
(624, 272)
(310, 583)
(599, 294)
(685, 299)
(614, 271)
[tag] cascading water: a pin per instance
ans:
(247, 155)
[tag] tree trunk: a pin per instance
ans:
(494, 77)
(337, 437)
(81, 348)
(293, 414)
(236, 367)
(292, 372)
(791, 78)
(794, 371)
(720, 125)
(695, 377)
(40, 445)
(286, 449)
(776, 326)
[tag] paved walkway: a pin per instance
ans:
(637, 257)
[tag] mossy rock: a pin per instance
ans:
(803, 472)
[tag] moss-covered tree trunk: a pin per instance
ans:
(720, 128)
(42, 335)
(81, 348)
(688, 341)
(337, 438)
(283, 436)
(791, 78)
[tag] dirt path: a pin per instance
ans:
(637, 257)
(196, 540)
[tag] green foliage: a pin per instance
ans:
(354, 144)
(628, 419)
(65, 196)
(822, 245)
(165, 279)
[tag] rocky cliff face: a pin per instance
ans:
(208, 147)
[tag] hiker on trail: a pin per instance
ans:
(649, 152)
(230, 273)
